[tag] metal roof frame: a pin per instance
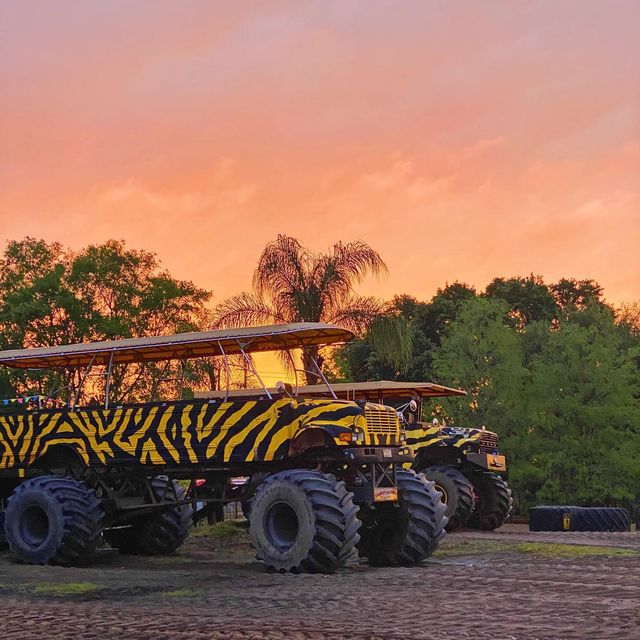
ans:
(181, 346)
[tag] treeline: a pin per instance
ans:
(50, 296)
(552, 368)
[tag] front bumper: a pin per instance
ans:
(366, 455)
(488, 461)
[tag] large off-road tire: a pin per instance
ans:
(3, 536)
(406, 532)
(457, 493)
(569, 518)
(54, 520)
(493, 501)
(303, 521)
(162, 531)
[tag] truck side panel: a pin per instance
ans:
(179, 433)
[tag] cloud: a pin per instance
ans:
(461, 140)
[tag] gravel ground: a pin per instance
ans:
(505, 585)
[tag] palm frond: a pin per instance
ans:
(247, 309)
(392, 336)
(348, 263)
(281, 268)
(357, 313)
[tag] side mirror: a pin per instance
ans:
(284, 389)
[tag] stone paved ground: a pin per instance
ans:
(503, 586)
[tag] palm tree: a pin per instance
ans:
(293, 284)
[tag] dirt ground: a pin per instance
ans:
(506, 585)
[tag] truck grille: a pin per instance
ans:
(381, 421)
(488, 442)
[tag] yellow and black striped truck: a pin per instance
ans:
(465, 463)
(332, 476)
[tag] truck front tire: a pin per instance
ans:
(457, 494)
(493, 501)
(303, 522)
(406, 532)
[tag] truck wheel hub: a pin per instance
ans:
(281, 526)
(34, 525)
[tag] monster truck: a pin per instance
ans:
(465, 463)
(335, 470)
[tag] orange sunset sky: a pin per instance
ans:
(462, 139)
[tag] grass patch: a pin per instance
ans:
(551, 550)
(222, 533)
(64, 588)
(181, 593)
(452, 547)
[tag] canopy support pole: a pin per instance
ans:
(227, 369)
(183, 368)
(76, 397)
(108, 384)
(158, 380)
(295, 370)
(315, 364)
(253, 370)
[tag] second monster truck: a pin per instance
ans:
(465, 463)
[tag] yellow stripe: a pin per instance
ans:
(465, 440)
(8, 459)
(162, 432)
(283, 434)
(89, 431)
(27, 437)
(186, 434)
(207, 430)
(226, 425)
(53, 422)
(269, 416)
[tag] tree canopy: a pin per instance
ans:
(552, 368)
(50, 295)
(293, 284)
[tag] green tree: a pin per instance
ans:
(480, 352)
(294, 284)
(529, 299)
(51, 296)
(584, 414)
(571, 294)
(425, 323)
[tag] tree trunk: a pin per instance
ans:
(309, 356)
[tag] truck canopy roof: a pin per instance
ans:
(375, 391)
(180, 346)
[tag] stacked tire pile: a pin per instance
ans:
(572, 518)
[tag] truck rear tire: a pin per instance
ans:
(406, 532)
(457, 493)
(493, 501)
(54, 520)
(160, 532)
(3, 535)
(250, 490)
(303, 522)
